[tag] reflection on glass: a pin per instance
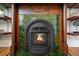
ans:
(39, 37)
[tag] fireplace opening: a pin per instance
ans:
(39, 38)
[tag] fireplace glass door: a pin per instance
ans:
(39, 38)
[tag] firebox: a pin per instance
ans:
(39, 38)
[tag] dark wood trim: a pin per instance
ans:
(61, 27)
(36, 4)
(16, 28)
(73, 5)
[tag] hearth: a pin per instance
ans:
(39, 38)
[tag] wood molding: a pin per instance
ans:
(65, 47)
(61, 27)
(16, 28)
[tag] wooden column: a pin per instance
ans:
(12, 47)
(65, 47)
(61, 26)
(16, 28)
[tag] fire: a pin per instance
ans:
(40, 37)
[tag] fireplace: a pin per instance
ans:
(39, 38)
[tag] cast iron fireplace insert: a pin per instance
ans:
(39, 37)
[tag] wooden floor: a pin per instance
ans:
(73, 51)
(4, 51)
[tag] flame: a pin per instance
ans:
(40, 37)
